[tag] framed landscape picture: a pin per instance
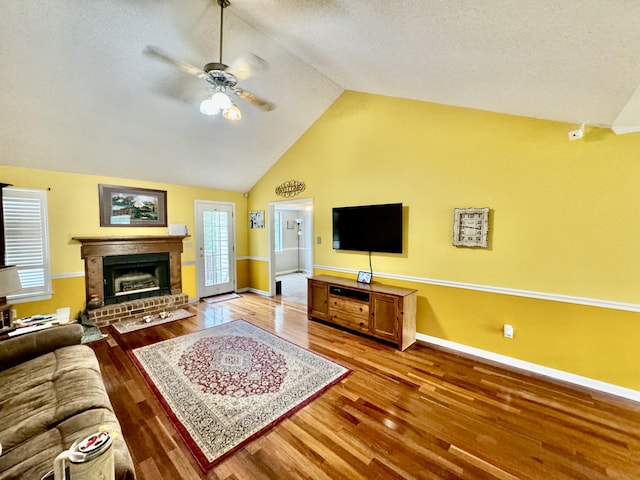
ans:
(132, 207)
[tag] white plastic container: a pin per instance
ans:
(90, 458)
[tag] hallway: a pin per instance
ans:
(294, 287)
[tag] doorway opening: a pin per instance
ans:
(291, 248)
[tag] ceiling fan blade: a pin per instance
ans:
(247, 65)
(160, 54)
(253, 99)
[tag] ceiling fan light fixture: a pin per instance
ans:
(232, 113)
(208, 107)
(221, 100)
(221, 77)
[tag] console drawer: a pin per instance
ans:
(349, 306)
(348, 320)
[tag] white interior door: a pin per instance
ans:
(215, 243)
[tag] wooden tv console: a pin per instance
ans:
(380, 311)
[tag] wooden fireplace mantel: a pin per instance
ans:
(95, 248)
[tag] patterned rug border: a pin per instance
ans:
(190, 442)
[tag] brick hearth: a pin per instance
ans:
(119, 312)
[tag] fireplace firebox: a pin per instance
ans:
(131, 277)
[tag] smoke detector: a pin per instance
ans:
(577, 134)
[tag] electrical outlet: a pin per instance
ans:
(318, 240)
(507, 331)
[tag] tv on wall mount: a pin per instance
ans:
(368, 228)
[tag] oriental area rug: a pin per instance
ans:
(226, 385)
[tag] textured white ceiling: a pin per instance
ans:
(77, 93)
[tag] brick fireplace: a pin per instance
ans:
(134, 275)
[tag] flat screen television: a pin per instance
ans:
(368, 228)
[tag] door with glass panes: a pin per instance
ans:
(215, 248)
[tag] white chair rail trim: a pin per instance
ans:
(554, 297)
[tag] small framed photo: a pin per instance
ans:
(256, 219)
(364, 277)
(132, 207)
(470, 227)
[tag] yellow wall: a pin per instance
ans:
(562, 222)
(73, 211)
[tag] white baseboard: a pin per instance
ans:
(286, 272)
(533, 368)
(259, 292)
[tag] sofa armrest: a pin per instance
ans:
(24, 347)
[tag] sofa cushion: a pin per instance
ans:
(31, 459)
(48, 403)
(48, 390)
(25, 347)
(45, 368)
(34, 458)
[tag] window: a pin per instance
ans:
(278, 231)
(27, 242)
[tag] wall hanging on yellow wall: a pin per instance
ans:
(290, 188)
(470, 227)
(256, 219)
(132, 207)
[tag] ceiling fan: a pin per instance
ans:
(222, 78)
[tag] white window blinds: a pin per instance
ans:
(27, 241)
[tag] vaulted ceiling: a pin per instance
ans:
(78, 94)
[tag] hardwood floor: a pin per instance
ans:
(423, 413)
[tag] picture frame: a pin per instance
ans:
(256, 219)
(132, 207)
(470, 227)
(364, 277)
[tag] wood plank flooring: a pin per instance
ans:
(419, 414)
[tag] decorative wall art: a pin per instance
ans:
(132, 207)
(256, 219)
(470, 227)
(290, 188)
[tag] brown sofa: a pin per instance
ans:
(51, 394)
